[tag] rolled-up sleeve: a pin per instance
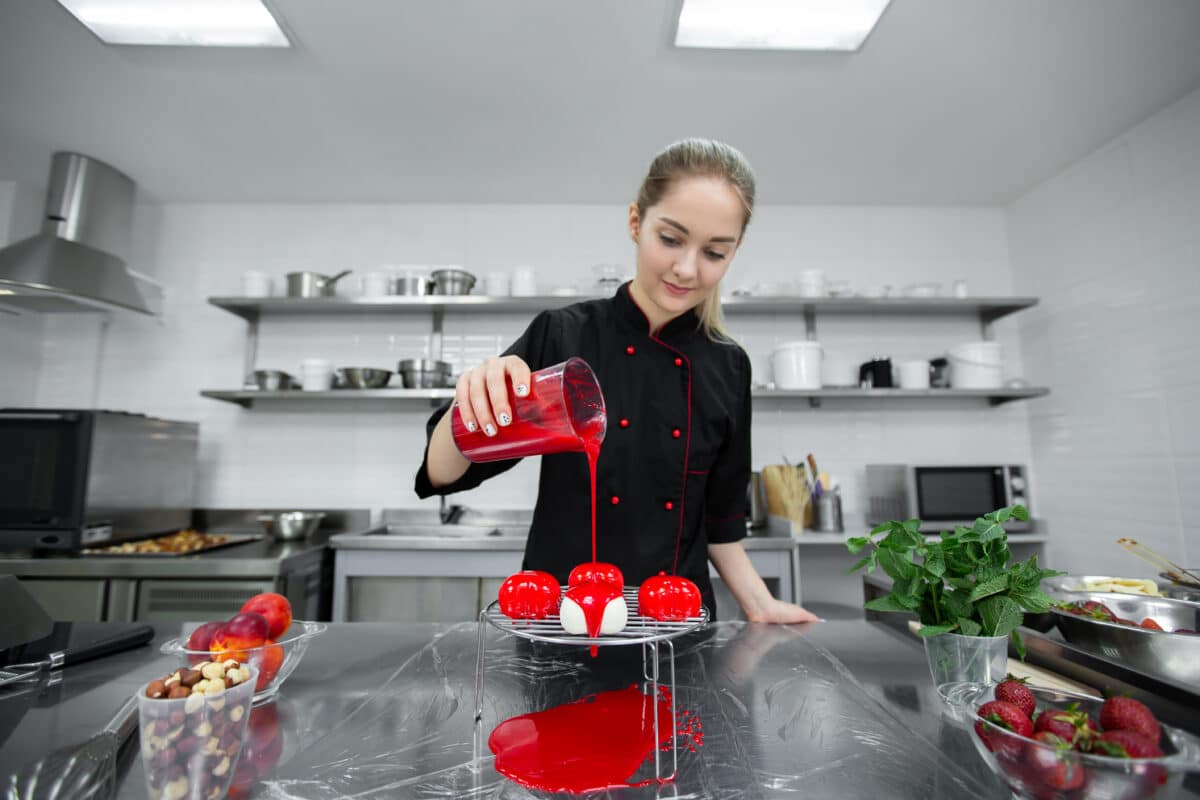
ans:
(725, 492)
(537, 347)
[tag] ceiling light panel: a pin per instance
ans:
(186, 23)
(777, 24)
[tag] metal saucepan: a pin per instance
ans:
(424, 373)
(291, 525)
(452, 281)
(361, 378)
(313, 284)
(271, 380)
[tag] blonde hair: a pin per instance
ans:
(700, 157)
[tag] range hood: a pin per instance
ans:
(77, 262)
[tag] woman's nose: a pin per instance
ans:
(685, 266)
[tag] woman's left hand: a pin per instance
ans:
(778, 611)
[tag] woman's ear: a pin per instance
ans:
(635, 221)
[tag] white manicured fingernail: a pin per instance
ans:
(489, 429)
(505, 419)
(471, 426)
(521, 390)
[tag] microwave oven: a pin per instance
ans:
(71, 478)
(943, 496)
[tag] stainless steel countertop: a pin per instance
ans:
(479, 538)
(843, 708)
(263, 558)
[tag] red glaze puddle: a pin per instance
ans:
(593, 744)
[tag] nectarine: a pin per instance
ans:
(276, 609)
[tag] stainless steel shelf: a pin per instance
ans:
(248, 397)
(994, 397)
(988, 309)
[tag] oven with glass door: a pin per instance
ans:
(70, 478)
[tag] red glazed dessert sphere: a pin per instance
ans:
(596, 572)
(529, 594)
(669, 598)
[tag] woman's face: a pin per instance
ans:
(685, 243)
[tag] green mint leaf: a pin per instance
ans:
(857, 543)
(899, 566)
(1035, 601)
(969, 627)
(935, 563)
(991, 586)
(933, 630)
(1018, 644)
(860, 564)
(1000, 614)
(888, 602)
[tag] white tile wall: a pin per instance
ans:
(366, 456)
(1112, 247)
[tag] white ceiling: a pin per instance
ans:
(954, 102)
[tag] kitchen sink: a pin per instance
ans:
(457, 531)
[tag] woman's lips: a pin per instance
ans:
(678, 291)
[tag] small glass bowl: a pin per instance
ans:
(1032, 769)
(273, 662)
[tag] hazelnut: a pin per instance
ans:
(211, 671)
(230, 663)
(171, 679)
(222, 767)
(177, 691)
(203, 728)
(174, 733)
(243, 673)
(177, 789)
(229, 681)
(190, 677)
(214, 688)
(194, 703)
(218, 702)
(236, 713)
(156, 690)
(189, 744)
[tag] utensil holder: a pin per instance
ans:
(827, 512)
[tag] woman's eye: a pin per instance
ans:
(669, 241)
(714, 255)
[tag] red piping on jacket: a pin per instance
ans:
(687, 447)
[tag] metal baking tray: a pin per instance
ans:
(216, 541)
(1173, 656)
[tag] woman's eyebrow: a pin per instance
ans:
(674, 224)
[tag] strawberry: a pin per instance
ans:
(1125, 713)
(1069, 724)
(1007, 716)
(1050, 764)
(1150, 624)
(1126, 744)
(1097, 610)
(1013, 690)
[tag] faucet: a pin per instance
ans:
(450, 515)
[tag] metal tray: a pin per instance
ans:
(1174, 656)
(226, 540)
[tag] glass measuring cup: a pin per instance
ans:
(563, 412)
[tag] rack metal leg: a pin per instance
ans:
(477, 738)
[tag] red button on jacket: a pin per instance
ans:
(624, 423)
(676, 433)
(668, 505)
(629, 350)
(615, 500)
(679, 362)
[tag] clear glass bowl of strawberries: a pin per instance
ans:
(263, 635)
(1056, 745)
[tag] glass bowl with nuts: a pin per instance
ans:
(274, 660)
(193, 725)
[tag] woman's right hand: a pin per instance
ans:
(482, 393)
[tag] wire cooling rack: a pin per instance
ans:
(650, 633)
(638, 629)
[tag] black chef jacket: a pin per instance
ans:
(675, 461)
